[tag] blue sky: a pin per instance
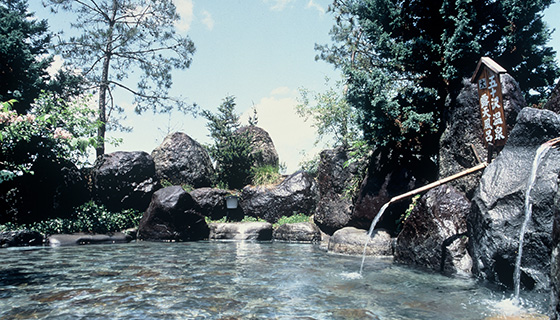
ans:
(261, 52)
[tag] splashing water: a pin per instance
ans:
(371, 228)
(539, 155)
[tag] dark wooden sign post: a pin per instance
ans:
(487, 79)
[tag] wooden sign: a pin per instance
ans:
(487, 79)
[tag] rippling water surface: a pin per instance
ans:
(233, 280)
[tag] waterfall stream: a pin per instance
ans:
(370, 232)
(539, 155)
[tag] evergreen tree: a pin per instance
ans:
(23, 41)
(231, 149)
(117, 37)
(404, 60)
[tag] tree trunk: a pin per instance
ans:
(104, 86)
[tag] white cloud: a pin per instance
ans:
(278, 5)
(313, 5)
(292, 136)
(185, 11)
(207, 20)
(56, 65)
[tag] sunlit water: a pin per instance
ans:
(233, 280)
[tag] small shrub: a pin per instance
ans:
(89, 218)
(296, 218)
(266, 175)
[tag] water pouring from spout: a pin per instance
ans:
(539, 156)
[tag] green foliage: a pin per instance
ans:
(296, 218)
(89, 218)
(404, 61)
(116, 38)
(231, 149)
(51, 128)
(23, 40)
(266, 175)
(331, 113)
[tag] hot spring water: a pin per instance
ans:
(232, 280)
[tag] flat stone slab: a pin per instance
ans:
(62, 240)
(297, 232)
(261, 231)
(352, 241)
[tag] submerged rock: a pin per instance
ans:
(261, 231)
(435, 234)
(124, 180)
(498, 209)
(181, 160)
(171, 217)
(352, 241)
(63, 240)
(298, 232)
(296, 194)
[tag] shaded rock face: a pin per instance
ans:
(54, 190)
(297, 232)
(20, 238)
(334, 209)
(124, 180)
(181, 160)
(498, 208)
(555, 263)
(210, 202)
(352, 241)
(435, 234)
(171, 217)
(389, 175)
(464, 132)
(296, 194)
(264, 153)
(261, 231)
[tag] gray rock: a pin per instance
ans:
(464, 129)
(124, 180)
(264, 153)
(435, 234)
(296, 194)
(352, 241)
(210, 202)
(334, 177)
(297, 232)
(64, 240)
(261, 231)
(20, 238)
(181, 160)
(171, 217)
(498, 207)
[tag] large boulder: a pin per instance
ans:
(53, 188)
(389, 174)
(261, 231)
(462, 139)
(297, 232)
(171, 217)
(352, 241)
(210, 202)
(335, 177)
(555, 263)
(264, 153)
(124, 180)
(435, 234)
(20, 238)
(296, 194)
(181, 160)
(498, 209)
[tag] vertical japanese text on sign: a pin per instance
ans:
(487, 78)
